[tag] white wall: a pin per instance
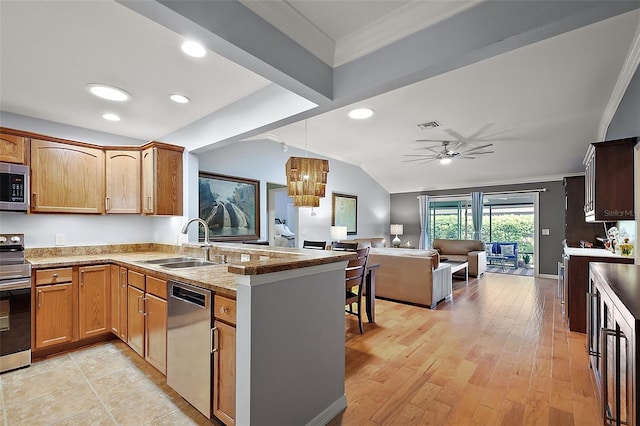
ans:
(264, 160)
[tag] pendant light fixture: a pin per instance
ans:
(306, 178)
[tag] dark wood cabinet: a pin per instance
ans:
(609, 182)
(577, 282)
(613, 325)
(576, 228)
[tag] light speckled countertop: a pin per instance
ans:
(218, 278)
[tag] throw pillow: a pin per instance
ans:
(487, 248)
(506, 249)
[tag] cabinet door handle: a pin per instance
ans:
(39, 299)
(214, 339)
(140, 311)
(148, 203)
(123, 278)
(82, 278)
(106, 203)
(609, 419)
(591, 328)
(33, 201)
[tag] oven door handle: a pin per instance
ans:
(15, 285)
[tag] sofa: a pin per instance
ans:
(411, 276)
(471, 251)
(373, 242)
(508, 250)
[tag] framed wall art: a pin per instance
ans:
(230, 206)
(344, 212)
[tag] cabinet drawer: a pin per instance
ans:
(53, 276)
(157, 287)
(225, 309)
(135, 279)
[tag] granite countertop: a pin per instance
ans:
(242, 260)
(591, 252)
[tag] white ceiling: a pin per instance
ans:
(543, 101)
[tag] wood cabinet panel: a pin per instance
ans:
(114, 290)
(54, 315)
(123, 180)
(53, 276)
(122, 304)
(156, 332)
(224, 373)
(12, 148)
(135, 319)
(156, 287)
(161, 181)
(136, 279)
(225, 309)
(66, 178)
(94, 296)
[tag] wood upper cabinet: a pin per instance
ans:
(609, 181)
(94, 300)
(224, 360)
(123, 180)
(12, 148)
(162, 181)
(66, 178)
(54, 306)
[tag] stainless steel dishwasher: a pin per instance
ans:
(189, 360)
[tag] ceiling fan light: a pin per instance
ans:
(445, 160)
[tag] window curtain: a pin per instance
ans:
(476, 214)
(423, 205)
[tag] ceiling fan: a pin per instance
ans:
(450, 151)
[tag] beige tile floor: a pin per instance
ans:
(105, 384)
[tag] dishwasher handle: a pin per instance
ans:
(190, 294)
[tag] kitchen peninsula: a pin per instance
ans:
(289, 319)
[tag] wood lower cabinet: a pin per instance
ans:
(12, 148)
(224, 360)
(119, 301)
(94, 305)
(54, 315)
(66, 178)
(147, 318)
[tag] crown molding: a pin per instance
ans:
(285, 18)
(626, 74)
(395, 26)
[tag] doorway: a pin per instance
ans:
(282, 217)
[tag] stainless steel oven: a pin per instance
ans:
(14, 188)
(15, 304)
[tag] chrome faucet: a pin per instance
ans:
(207, 244)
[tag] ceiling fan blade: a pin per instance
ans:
(457, 146)
(476, 148)
(465, 158)
(428, 148)
(428, 161)
(418, 159)
(438, 141)
(457, 136)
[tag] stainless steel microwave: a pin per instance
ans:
(14, 187)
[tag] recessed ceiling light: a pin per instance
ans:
(193, 48)
(179, 99)
(445, 160)
(110, 116)
(360, 113)
(110, 93)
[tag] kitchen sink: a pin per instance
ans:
(168, 260)
(187, 264)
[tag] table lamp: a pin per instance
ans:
(338, 233)
(397, 230)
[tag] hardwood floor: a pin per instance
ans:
(499, 353)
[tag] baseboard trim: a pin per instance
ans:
(549, 276)
(330, 412)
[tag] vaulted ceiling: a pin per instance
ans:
(538, 80)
